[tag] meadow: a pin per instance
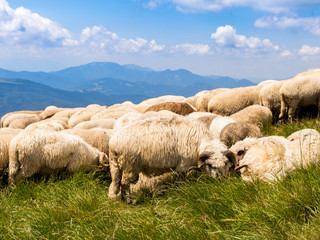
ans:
(194, 207)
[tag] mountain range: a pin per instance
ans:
(104, 83)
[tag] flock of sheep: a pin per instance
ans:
(144, 145)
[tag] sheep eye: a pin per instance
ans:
(240, 153)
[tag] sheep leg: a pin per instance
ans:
(127, 179)
(318, 104)
(284, 107)
(116, 175)
(292, 111)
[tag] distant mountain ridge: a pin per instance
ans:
(104, 83)
(75, 77)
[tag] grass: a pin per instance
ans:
(196, 207)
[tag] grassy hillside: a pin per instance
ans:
(198, 207)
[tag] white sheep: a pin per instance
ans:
(112, 113)
(271, 158)
(4, 117)
(254, 114)
(265, 83)
(84, 114)
(46, 152)
(203, 99)
(10, 118)
(234, 100)
(304, 133)
(156, 147)
(107, 123)
(203, 117)
(301, 91)
(269, 97)
(234, 132)
(218, 123)
(165, 98)
(49, 124)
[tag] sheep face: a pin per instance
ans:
(216, 163)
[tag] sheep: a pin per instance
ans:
(49, 124)
(84, 114)
(7, 121)
(218, 124)
(22, 123)
(265, 83)
(111, 113)
(269, 97)
(255, 114)
(65, 114)
(6, 135)
(4, 117)
(203, 117)
(193, 99)
(238, 131)
(98, 138)
(181, 108)
(46, 152)
(203, 99)
(132, 117)
(107, 123)
(301, 91)
(234, 100)
(165, 98)
(156, 147)
(271, 158)
(50, 111)
(303, 134)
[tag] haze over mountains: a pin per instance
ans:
(105, 83)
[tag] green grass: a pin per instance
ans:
(196, 207)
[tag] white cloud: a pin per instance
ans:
(286, 53)
(226, 36)
(100, 37)
(274, 6)
(190, 49)
(306, 50)
(21, 26)
(310, 24)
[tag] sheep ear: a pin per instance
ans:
(230, 155)
(103, 159)
(203, 157)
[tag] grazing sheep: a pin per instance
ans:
(203, 99)
(6, 135)
(156, 147)
(218, 124)
(265, 83)
(181, 108)
(234, 100)
(203, 117)
(304, 133)
(22, 123)
(165, 98)
(301, 91)
(84, 114)
(48, 124)
(270, 158)
(111, 113)
(98, 138)
(46, 152)
(65, 114)
(132, 117)
(255, 114)
(238, 131)
(270, 97)
(49, 111)
(107, 123)
(4, 117)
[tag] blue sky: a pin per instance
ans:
(265, 39)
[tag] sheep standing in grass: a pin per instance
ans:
(157, 147)
(301, 91)
(255, 114)
(234, 100)
(270, 97)
(46, 152)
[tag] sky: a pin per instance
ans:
(257, 40)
